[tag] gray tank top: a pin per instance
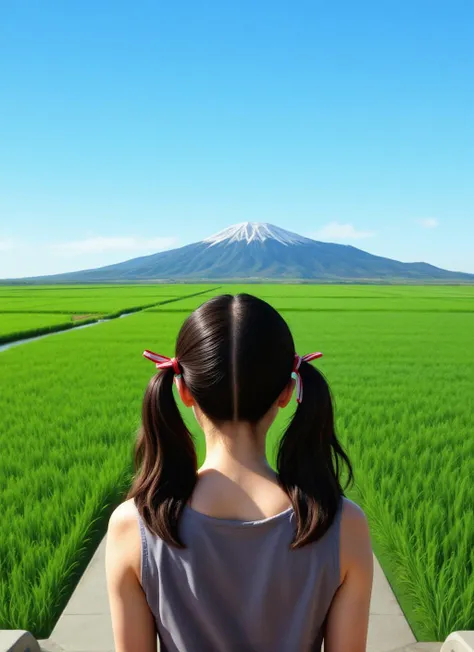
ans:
(238, 587)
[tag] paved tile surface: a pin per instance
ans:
(421, 647)
(388, 628)
(85, 624)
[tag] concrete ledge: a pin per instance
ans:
(17, 640)
(420, 647)
(49, 646)
(459, 642)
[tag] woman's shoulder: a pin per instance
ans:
(354, 523)
(355, 545)
(123, 520)
(123, 550)
(352, 514)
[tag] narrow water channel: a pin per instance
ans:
(10, 345)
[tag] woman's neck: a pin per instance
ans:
(236, 480)
(235, 447)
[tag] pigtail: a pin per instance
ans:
(310, 460)
(165, 461)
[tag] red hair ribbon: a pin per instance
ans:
(296, 374)
(162, 361)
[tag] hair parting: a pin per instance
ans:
(233, 358)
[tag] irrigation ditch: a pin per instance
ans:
(16, 339)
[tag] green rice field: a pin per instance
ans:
(400, 361)
(83, 299)
(15, 325)
(29, 311)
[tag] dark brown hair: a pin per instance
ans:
(236, 355)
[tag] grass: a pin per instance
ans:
(404, 387)
(24, 322)
(347, 298)
(70, 408)
(77, 300)
(14, 326)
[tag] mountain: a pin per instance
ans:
(259, 251)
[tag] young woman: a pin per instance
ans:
(235, 557)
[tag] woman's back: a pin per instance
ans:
(238, 586)
(237, 556)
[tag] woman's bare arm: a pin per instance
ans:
(132, 621)
(348, 618)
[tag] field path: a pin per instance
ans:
(85, 623)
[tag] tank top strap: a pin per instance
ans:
(145, 552)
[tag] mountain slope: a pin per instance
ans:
(262, 251)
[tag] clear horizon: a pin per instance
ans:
(129, 130)
(93, 243)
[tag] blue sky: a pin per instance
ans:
(130, 127)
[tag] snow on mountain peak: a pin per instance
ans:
(255, 232)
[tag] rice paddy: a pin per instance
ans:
(30, 311)
(80, 299)
(15, 326)
(400, 361)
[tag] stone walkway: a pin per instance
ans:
(85, 624)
